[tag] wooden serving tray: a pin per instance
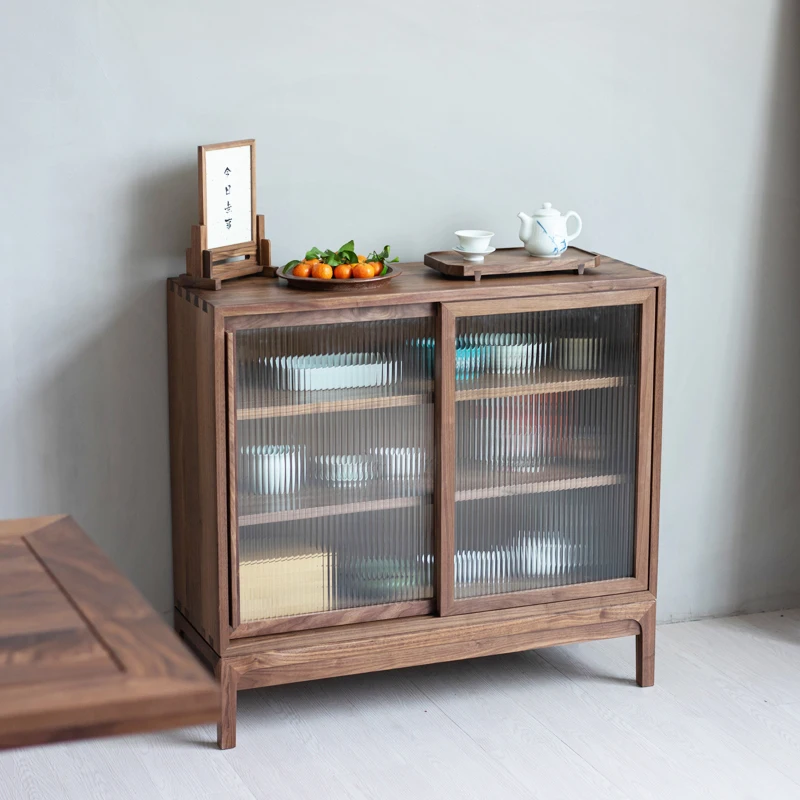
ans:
(510, 260)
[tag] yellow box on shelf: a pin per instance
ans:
(285, 585)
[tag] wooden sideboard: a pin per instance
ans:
(432, 471)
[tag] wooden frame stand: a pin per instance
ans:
(206, 269)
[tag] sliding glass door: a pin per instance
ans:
(550, 438)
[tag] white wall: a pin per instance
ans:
(672, 127)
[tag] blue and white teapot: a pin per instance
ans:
(545, 233)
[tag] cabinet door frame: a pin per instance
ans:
(445, 437)
(318, 619)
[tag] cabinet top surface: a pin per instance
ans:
(420, 284)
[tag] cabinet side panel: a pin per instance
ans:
(658, 412)
(192, 462)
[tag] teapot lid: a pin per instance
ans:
(547, 210)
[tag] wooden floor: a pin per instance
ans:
(723, 721)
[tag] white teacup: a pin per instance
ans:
(474, 241)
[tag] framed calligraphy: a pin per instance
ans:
(227, 175)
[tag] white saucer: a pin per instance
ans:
(475, 257)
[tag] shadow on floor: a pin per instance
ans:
(374, 690)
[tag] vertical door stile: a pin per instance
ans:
(233, 449)
(445, 448)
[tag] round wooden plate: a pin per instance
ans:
(339, 284)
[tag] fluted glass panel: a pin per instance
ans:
(335, 466)
(546, 448)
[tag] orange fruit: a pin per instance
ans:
(302, 270)
(362, 259)
(364, 271)
(343, 272)
(312, 261)
(323, 271)
(376, 266)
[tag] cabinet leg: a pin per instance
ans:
(226, 728)
(646, 649)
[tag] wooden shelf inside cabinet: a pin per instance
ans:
(313, 502)
(547, 381)
(548, 480)
(330, 402)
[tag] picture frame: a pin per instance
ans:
(226, 175)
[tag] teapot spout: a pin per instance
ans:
(526, 227)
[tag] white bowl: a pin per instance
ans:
(474, 241)
(401, 462)
(580, 353)
(273, 469)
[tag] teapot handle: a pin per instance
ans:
(580, 225)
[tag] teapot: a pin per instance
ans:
(545, 233)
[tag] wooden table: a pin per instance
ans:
(82, 654)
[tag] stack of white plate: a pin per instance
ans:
(499, 353)
(389, 463)
(316, 373)
(534, 555)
